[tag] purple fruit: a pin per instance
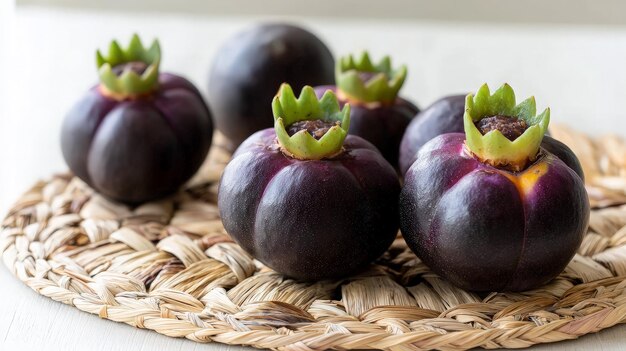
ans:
(446, 116)
(305, 198)
(488, 213)
(443, 116)
(248, 70)
(139, 134)
(377, 114)
(564, 153)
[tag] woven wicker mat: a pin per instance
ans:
(170, 267)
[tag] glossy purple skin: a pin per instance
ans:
(471, 225)
(564, 153)
(443, 116)
(382, 126)
(310, 220)
(248, 70)
(138, 150)
(446, 116)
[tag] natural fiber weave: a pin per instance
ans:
(170, 267)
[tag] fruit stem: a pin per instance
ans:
(130, 72)
(362, 82)
(289, 110)
(525, 129)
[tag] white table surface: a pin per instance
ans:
(579, 70)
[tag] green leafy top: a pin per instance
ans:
(129, 82)
(288, 109)
(383, 87)
(493, 147)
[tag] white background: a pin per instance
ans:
(47, 62)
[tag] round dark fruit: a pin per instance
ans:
(250, 67)
(492, 214)
(139, 134)
(307, 199)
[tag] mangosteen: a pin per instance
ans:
(564, 153)
(443, 116)
(139, 134)
(489, 211)
(446, 116)
(250, 67)
(307, 199)
(378, 115)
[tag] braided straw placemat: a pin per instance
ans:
(170, 267)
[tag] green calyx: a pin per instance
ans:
(493, 147)
(129, 83)
(288, 109)
(382, 87)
